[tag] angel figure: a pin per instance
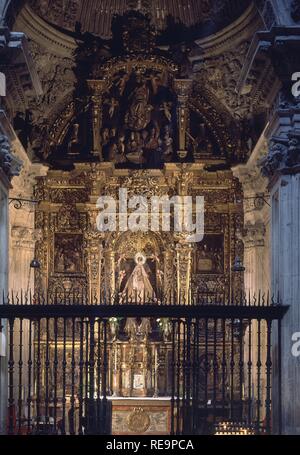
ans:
(113, 105)
(158, 80)
(122, 83)
(166, 108)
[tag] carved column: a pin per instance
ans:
(109, 271)
(282, 167)
(9, 167)
(22, 251)
(97, 87)
(22, 225)
(256, 237)
(182, 88)
(184, 270)
(169, 276)
(94, 254)
(256, 221)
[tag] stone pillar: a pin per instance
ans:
(22, 243)
(9, 167)
(282, 167)
(256, 238)
(257, 214)
(3, 286)
(23, 235)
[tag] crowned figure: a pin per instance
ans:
(138, 288)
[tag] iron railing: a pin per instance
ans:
(192, 298)
(218, 365)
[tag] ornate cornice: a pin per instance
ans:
(44, 34)
(237, 32)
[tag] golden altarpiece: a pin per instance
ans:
(138, 122)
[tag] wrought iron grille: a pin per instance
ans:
(218, 372)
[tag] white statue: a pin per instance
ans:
(138, 288)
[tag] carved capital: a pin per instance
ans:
(283, 156)
(10, 165)
(25, 237)
(183, 88)
(254, 235)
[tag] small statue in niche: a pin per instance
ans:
(113, 133)
(158, 80)
(167, 145)
(134, 148)
(153, 148)
(39, 140)
(113, 105)
(144, 137)
(74, 141)
(247, 134)
(121, 157)
(112, 152)
(121, 84)
(166, 108)
(105, 137)
(153, 142)
(139, 115)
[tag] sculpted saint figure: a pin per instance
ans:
(139, 114)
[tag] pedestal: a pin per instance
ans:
(141, 416)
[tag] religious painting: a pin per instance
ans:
(209, 257)
(68, 253)
(139, 119)
(137, 278)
